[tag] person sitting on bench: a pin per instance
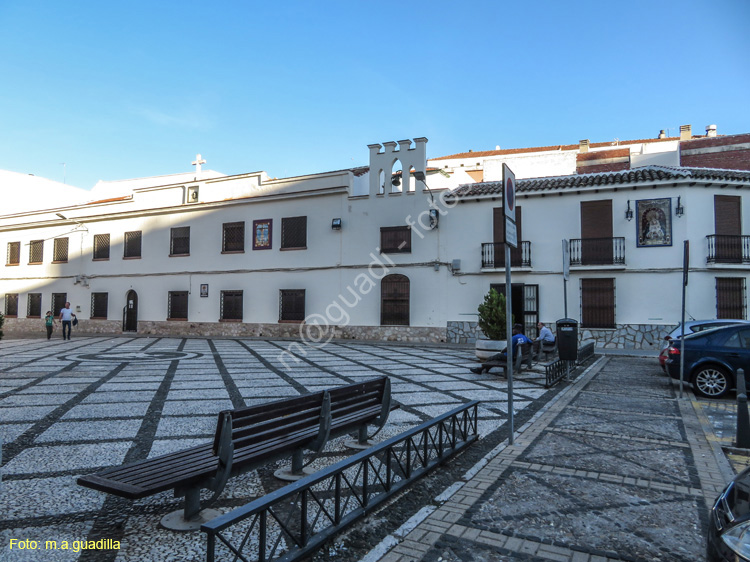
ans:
(545, 337)
(500, 359)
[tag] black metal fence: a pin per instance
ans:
(728, 249)
(597, 251)
(493, 255)
(557, 370)
(294, 521)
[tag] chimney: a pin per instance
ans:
(686, 132)
(583, 146)
(711, 131)
(662, 134)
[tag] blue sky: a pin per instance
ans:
(131, 89)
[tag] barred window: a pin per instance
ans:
(731, 298)
(231, 305)
(36, 251)
(132, 244)
(14, 253)
(294, 232)
(11, 305)
(34, 305)
(99, 303)
(395, 239)
(180, 241)
(597, 303)
(291, 305)
(58, 302)
(101, 246)
(233, 237)
(60, 250)
(178, 305)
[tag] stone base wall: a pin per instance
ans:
(624, 336)
(415, 334)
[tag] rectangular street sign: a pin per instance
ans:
(511, 234)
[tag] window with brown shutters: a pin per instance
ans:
(291, 305)
(294, 233)
(596, 232)
(731, 301)
(179, 243)
(99, 305)
(14, 253)
(233, 237)
(395, 239)
(177, 307)
(60, 250)
(231, 305)
(597, 303)
(34, 306)
(498, 239)
(132, 244)
(11, 305)
(58, 302)
(36, 251)
(728, 228)
(394, 300)
(101, 246)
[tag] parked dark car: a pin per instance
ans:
(692, 326)
(712, 358)
(729, 525)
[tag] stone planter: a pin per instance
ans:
(486, 348)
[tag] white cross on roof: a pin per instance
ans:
(197, 163)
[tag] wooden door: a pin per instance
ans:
(728, 228)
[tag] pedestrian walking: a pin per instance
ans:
(66, 317)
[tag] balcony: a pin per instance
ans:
(597, 251)
(728, 249)
(493, 255)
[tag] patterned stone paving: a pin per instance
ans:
(71, 407)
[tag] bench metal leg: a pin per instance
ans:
(296, 471)
(361, 442)
(191, 516)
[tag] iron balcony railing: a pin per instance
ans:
(597, 251)
(294, 521)
(724, 248)
(493, 255)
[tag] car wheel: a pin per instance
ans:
(711, 382)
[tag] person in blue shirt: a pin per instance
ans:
(502, 357)
(66, 317)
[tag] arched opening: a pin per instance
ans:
(381, 182)
(410, 181)
(130, 312)
(397, 179)
(394, 300)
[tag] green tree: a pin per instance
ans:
(492, 316)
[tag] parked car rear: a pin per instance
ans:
(712, 358)
(691, 327)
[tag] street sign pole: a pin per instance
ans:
(509, 205)
(685, 269)
(566, 273)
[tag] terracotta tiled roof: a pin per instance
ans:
(557, 147)
(603, 154)
(646, 174)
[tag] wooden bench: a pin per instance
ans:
(517, 361)
(245, 439)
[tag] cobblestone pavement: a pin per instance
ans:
(614, 468)
(71, 407)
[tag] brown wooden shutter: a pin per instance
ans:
(596, 219)
(596, 232)
(498, 225)
(727, 215)
(598, 303)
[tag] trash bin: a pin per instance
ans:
(567, 339)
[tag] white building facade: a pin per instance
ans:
(385, 252)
